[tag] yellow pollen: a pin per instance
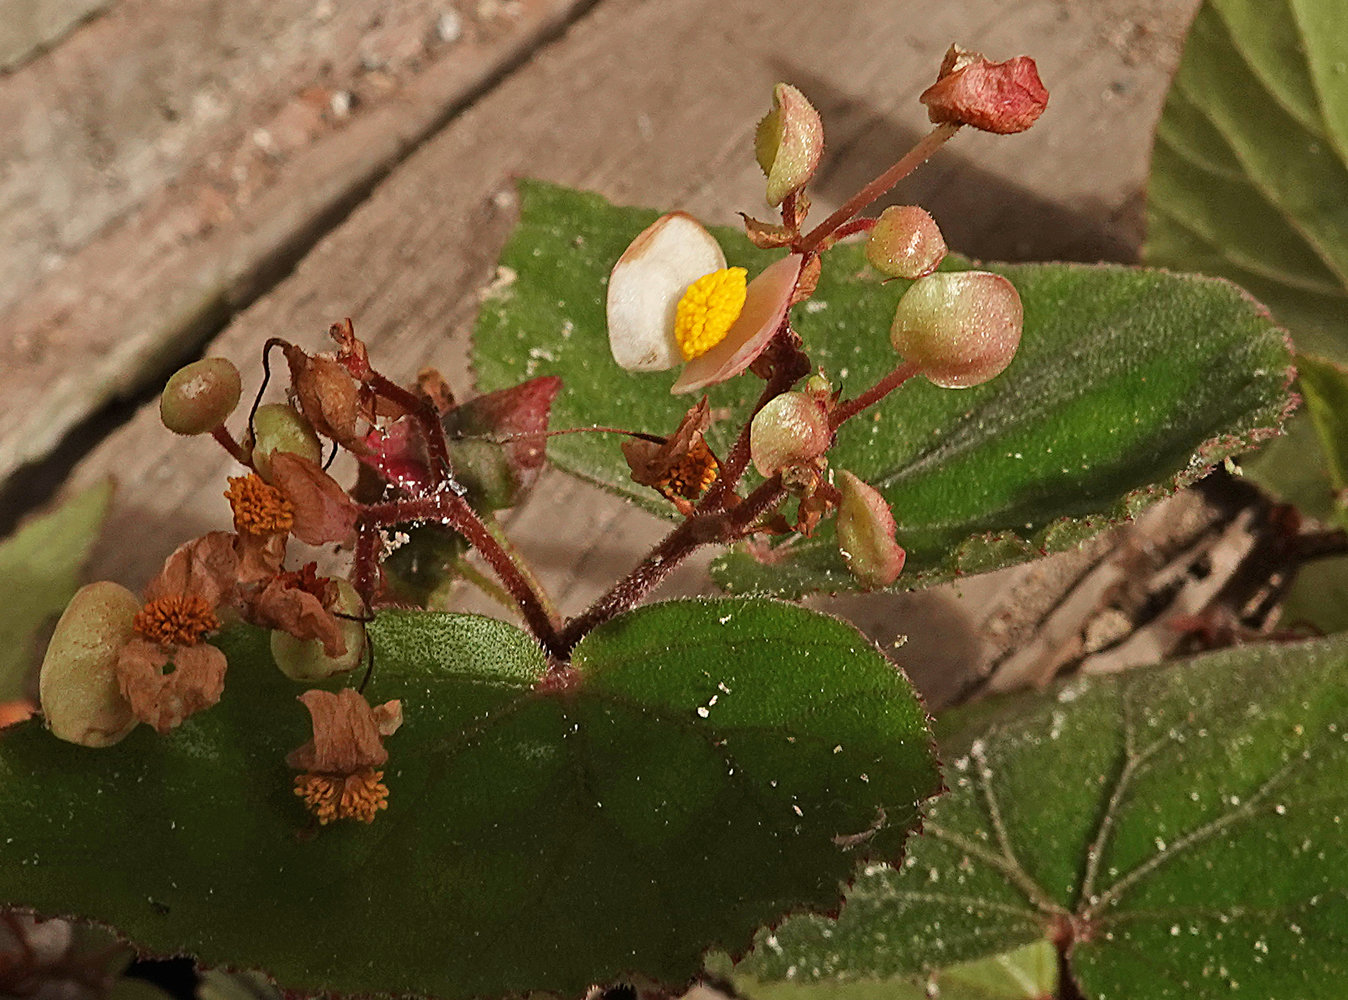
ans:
(335, 796)
(177, 620)
(707, 310)
(259, 509)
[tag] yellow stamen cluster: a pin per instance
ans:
(335, 796)
(259, 509)
(707, 310)
(693, 474)
(179, 620)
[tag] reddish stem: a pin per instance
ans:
(701, 529)
(226, 441)
(846, 411)
(904, 166)
(365, 565)
(453, 510)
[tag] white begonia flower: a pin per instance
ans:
(672, 300)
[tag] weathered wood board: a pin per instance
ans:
(167, 160)
(654, 103)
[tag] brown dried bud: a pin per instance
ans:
(199, 397)
(791, 429)
(328, 396)
(960, 328)
(905, 243)
(789, 142)
(78, 683)
(866, 534)
(1002, 97)
(766, 235)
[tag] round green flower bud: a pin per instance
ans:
(199, 397)
(960, 328)
(279, 427)
(792, 428)
(905, 243)
(305, 660)
(77, 687)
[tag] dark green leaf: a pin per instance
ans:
(670, 798)
(1249, 180)
(1128, 385)
(40, 565)
(1182, 826)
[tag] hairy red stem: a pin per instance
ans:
(902, 167)
(700, 529)
(846, 411)
(454, 510)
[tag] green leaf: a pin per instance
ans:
(1028, 973)
(40, 564)
(1129, 384)
(1249, 180)
(663, 800)
(1180, 826)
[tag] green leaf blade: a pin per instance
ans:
(1184, 822)
(537, 837)
(1128, 385)
(40, 565)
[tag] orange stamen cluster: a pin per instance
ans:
(259, 509)
(178, 620)
(692, 474)
(334, 796)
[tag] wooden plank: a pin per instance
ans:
(166, 161)
(28, 27)
(655, 103)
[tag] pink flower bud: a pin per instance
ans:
(960, 328)
(905, 243)
(866, 534)
(1002, 97)
(789, 142)
(792, 428)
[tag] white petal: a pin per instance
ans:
(766, 301)
(646, 285)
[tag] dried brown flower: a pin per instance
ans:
(681, 466)
(340, 780)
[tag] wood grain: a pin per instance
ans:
(654, 103)
(169, 160)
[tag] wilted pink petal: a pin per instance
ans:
(164, 700)
(322, 510)
(348, 732)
